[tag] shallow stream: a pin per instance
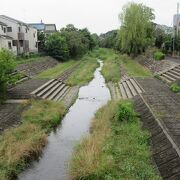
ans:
(53, 163)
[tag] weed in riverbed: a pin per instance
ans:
(18, 145)
(115, 149)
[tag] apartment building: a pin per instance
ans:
(17, 36)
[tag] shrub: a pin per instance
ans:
(175, 88)
(159, 55)
(125, 111)
(56, 46)
(7, 65)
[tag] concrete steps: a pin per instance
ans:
(52, 90)
(171, 75)
(130, 88)
(125, 89)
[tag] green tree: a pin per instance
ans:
(136, 32)
(42, 40)
(56, 46)
(79, 41)
(7, 65)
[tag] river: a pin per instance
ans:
(53, 163)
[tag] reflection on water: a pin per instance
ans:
(52, 165)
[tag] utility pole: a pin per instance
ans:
(176, 31)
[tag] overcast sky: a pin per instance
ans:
(97, 15)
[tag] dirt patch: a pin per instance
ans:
(33, 68)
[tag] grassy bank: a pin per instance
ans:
(84, 72)
(133, 68)
(113, 61)
(29, 59)
(19, 145)
(57, 70)
(117, 148)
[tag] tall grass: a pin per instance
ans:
(56, 71)
(84, 72)
(133, 68)
(116, 148)
(21, 144)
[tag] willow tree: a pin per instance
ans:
(136, 32)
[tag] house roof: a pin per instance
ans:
(38, 26)
(14, 20)
(50, 28)
(3, 24)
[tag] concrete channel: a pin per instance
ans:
(53, 163)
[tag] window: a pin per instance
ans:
(4, 30)
(34, 35)
(26, 30)
(9, 45)
(9, 29)
(36, 45)
(19, 29)
(14, 42)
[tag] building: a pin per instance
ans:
(48, 29)
(17, 36)
(176, 21)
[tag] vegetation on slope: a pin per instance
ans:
(175, 87)
(57, 70)
(19, 145)
(117, 148)
(84, 72)
(7, 65)
(133, 68)
(113, 61)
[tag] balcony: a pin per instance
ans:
(20, 36)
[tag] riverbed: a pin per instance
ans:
(53, 163)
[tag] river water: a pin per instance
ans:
(53, 163)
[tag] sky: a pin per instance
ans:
(99, 16)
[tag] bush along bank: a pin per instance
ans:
(117, 148)
(21, 144)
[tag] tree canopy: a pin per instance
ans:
(70, 42)
(136, 32)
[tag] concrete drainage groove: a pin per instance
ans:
(170, 75)
(165, 151)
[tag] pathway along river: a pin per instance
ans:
(53, 163)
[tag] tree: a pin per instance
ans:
(79, 40)
(56, 46)
(42, 40)
(7, 65)
(136, 32)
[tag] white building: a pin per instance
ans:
(23, 37)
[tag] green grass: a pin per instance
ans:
(22, 60)
(112, 62)
(111, 68)
(21, 144)
(133, 68)
(57, 70)
(117, 148)
(175, 88)
(84, 72)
